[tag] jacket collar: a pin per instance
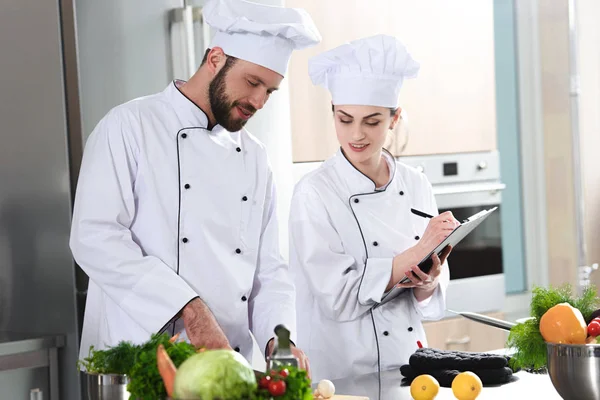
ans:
(189, 114)
(357, 181)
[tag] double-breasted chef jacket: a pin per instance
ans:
(344, 233)
(167, 210)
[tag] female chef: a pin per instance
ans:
(353, 236)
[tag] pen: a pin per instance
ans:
(420, 213)
(425, 215)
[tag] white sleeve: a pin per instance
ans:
(272, 301)
(344, 288)
(147, 289)
(433, 307)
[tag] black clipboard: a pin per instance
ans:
(453, 239)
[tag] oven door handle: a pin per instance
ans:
(469, 188)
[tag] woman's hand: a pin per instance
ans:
(438, 229)
(421, 280)
(423, 284)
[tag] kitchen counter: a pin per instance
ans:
(523, 386)
(30, 351)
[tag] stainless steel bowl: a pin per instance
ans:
(575, 370)
(106, 386)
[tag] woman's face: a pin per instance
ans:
(362, 130)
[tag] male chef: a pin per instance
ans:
(175, 211)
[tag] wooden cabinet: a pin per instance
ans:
(465, 335)
(451, 106)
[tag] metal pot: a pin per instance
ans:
(575, 370)
(106, 386)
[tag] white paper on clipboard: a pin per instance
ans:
(453, 239)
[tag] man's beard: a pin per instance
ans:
(220, 105)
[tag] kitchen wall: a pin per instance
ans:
(559, 94)
(588, 41)
(560, 146)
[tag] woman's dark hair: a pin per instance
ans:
(393, 111)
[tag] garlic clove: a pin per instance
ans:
(326, 388)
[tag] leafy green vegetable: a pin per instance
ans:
(526, 338)
(114, 360)
(145, 382)
(215, 374)
(297, 385)
(544, 299)
(530, 345)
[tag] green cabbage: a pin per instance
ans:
(215, 374)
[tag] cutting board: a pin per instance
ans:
(344, 397)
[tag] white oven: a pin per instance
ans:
(466, 184)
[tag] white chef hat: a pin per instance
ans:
(262, 34)
(367, 71)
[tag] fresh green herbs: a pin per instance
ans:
(145, 382)
(526, 338)
(114, 360)
(530, 345)
(138, 362)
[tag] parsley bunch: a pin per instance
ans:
(145, 382)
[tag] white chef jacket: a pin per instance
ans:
(166, 211)
(343, 235)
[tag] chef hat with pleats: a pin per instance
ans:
(367, 71)
(262, 34)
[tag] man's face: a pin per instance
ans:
(238, 90)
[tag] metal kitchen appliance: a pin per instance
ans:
(466, 184)
(282, 353)
(106, 386)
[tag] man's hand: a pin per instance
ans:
(299, 354)
(202, 328)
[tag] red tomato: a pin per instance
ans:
(277, 388)
(594, 328)
(264, 382)
(273, 372)
(284, 373)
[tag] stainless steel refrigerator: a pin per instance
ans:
(63, 65)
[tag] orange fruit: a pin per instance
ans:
(424, 387)
(466, 386)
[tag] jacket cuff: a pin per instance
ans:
(377, 275)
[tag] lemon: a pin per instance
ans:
(424, 387)
(466, 386)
